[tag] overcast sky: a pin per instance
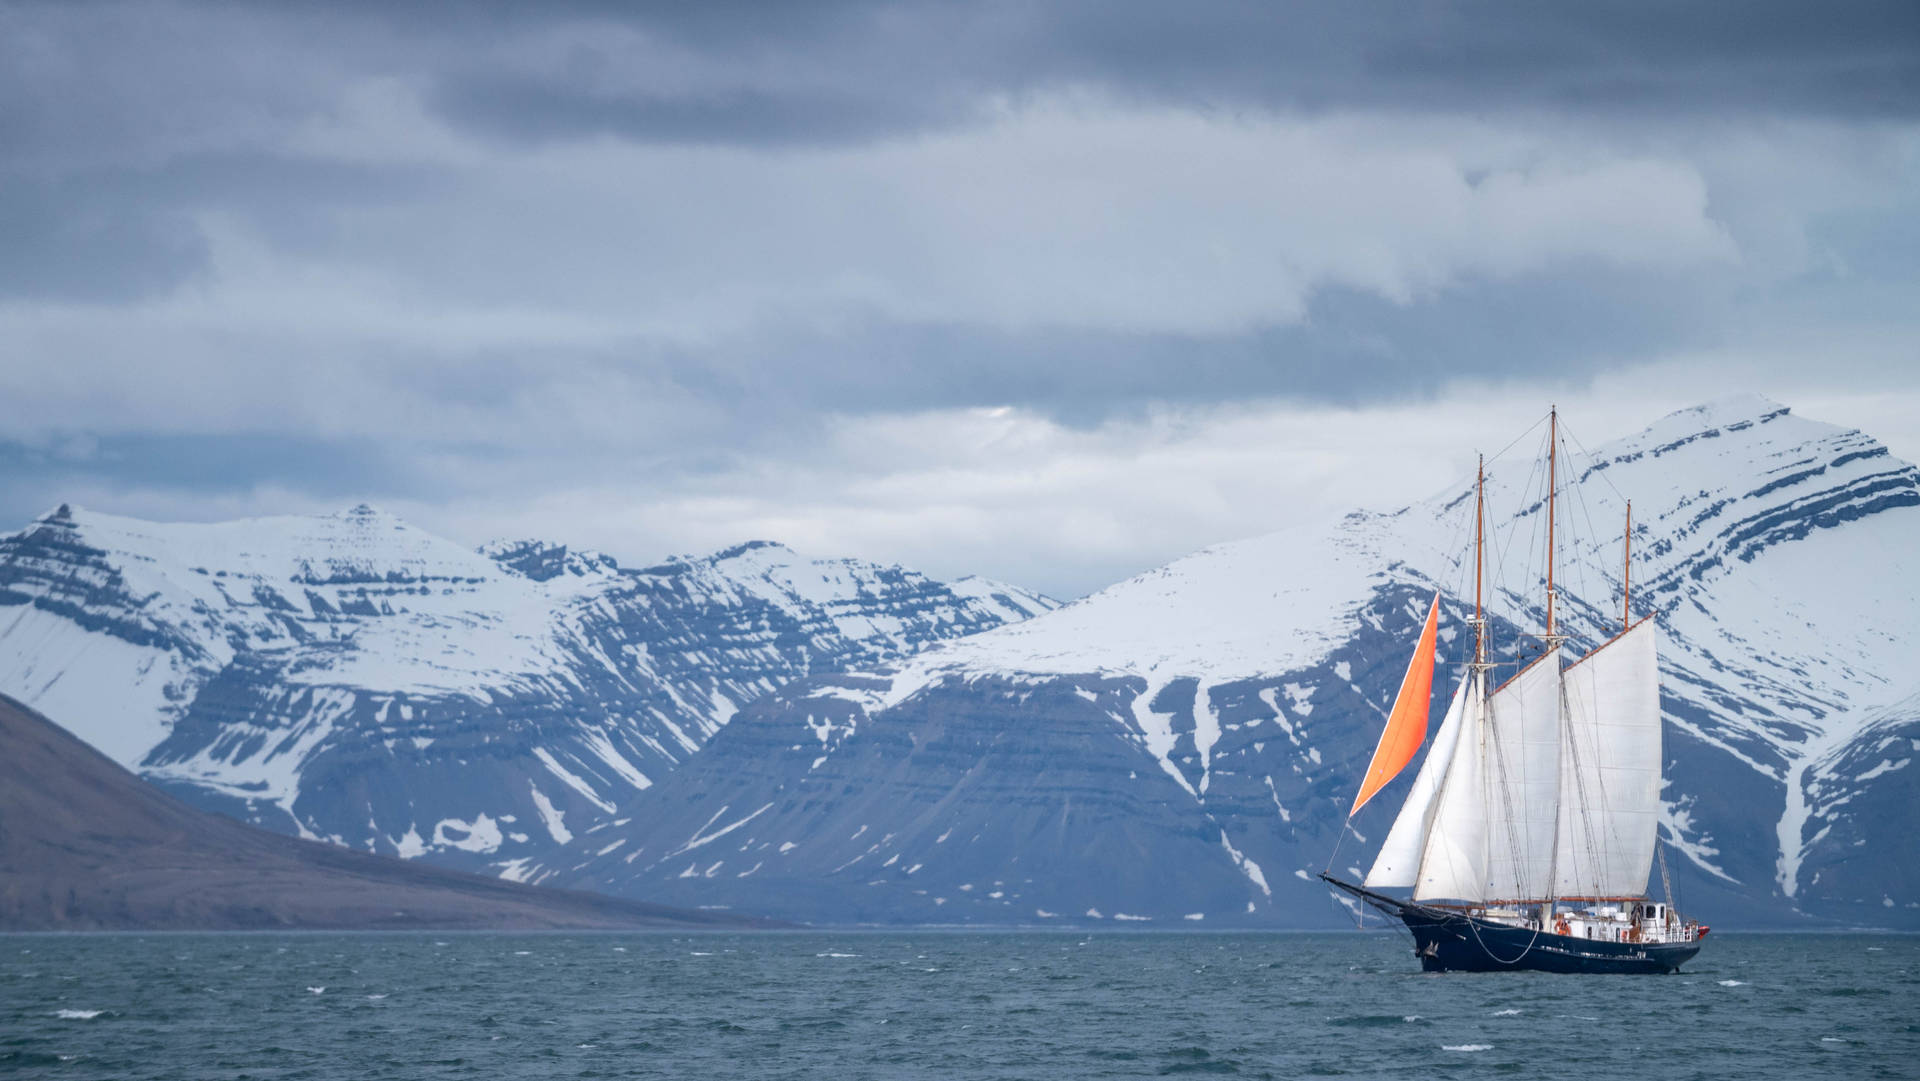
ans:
(1050, 292)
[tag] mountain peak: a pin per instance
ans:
(754, 547)
(543, 561)
(367, 513)
(1732, 411)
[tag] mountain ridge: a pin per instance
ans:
(1245, 683)
(354, 678)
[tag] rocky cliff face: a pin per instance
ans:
(354, 679)
(1181, 748)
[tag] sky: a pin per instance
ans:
(1049, 292)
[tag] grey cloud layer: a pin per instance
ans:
(773, 73)
(260, 256)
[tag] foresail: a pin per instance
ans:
(1523, 781)
(1610, 770)
(1407, 725)
(1399, 860)
(1453, 859)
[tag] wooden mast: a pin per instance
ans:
(1626, 573)
(1479, 563)
(1550, 641)
(1553, 484)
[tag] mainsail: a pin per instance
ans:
(1523, 781)
(1610, 771)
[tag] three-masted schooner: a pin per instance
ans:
(1529, 833)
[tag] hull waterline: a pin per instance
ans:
(1450, 941)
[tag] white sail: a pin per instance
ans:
(1399, 860)
(1610, 770)
(1522, 765)
(1453, 858)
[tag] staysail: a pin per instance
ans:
(1407, 724)
(1399, 858)
(1610, 770)
(1453, 855)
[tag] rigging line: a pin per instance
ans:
(1466, 479)
(1550, 555)
(1591, 469)
(1501, 540)
(1584, 830)
(1535, 543)
(1593, 538)
(1516, 441)
(1504, 594)
(1521, 841)
(1581, 542)
(1534, 538)
(1345, 825)
(1489, 951)
(1500, 536)
(1459, 519)
(1462, 564)
(1501, 778)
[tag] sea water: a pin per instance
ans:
(932, 1005)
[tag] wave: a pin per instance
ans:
(77, 1015)
(1466, 1047)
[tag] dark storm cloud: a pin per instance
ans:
(213, 464)
(1354, 348)
(105, 235)
(785, 73)
(92, 240)
(530, 108)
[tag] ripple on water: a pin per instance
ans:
(1196, 1060)
(1372, 1020)
(1278, 1005)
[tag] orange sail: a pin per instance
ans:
(1407, 725)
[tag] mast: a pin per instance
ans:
(1626, 573)
(1553, 484)
(1553, 491)
(1479, 563)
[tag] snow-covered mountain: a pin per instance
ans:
(353, 678)
(1182, 747)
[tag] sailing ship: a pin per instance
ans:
(1529, 833)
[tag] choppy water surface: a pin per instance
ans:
(931, 1005)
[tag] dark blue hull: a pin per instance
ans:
(1449, 941)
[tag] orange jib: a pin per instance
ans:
(1407, 725)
